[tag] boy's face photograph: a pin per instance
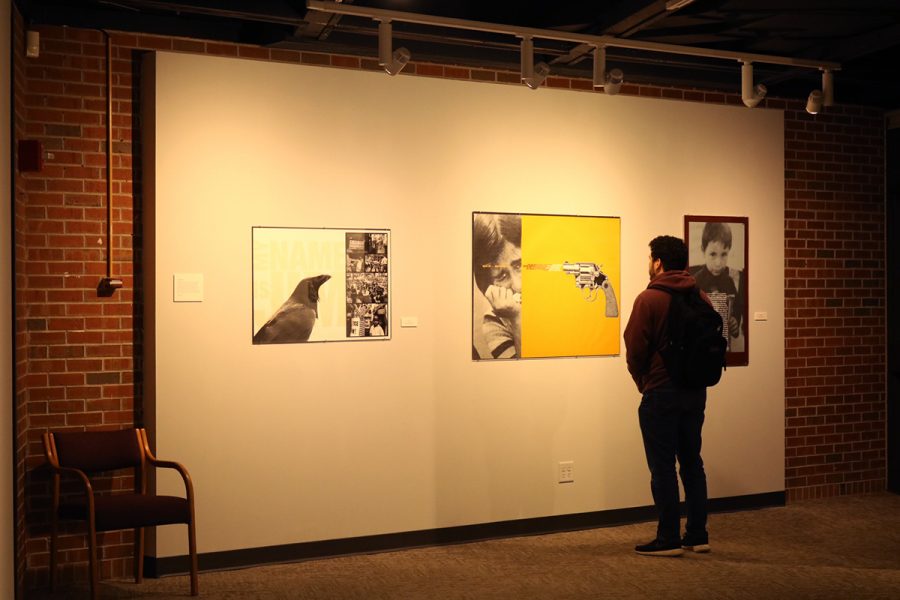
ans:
(716, 256)
(508, 271)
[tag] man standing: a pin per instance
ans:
(671, 417)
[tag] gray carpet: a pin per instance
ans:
(845, 547)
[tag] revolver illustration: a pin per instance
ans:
(589, 278)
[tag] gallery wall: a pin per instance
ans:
(303, 442)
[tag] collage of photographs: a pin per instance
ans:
(367, 284)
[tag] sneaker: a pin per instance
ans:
(695, 542)
(658, 548)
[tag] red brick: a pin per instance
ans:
(47, 421)
(221, 49)
(456, 73)
(186, 46)
(84, 419)
(348, 62)
(154, 42)
(429, 70)
(285, 55)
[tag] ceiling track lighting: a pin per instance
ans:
(392, 61)
(534, 74)
(750, 94)
(827, 88)
(818, 99)
(610, 82)
(814, 102)
(614, 80)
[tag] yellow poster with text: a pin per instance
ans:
(561, 314)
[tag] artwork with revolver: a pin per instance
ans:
(544, 286)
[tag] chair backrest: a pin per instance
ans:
(93, 451)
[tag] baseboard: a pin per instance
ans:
(232, 559)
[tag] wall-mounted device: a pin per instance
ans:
(30, 155)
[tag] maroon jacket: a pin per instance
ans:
(645, 334)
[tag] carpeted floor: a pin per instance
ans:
(836, 548)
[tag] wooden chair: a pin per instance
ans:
(82, 454)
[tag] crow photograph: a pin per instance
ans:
(294, 320)
(320, 285)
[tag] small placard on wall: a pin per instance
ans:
(188, 287)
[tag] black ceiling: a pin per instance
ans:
(862, 35)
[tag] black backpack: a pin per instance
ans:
(695, 354)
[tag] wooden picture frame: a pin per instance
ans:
(718, 257)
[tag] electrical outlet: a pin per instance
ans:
(566, 471)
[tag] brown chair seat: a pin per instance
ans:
(127, 511)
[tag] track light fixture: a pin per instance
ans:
(827, 88)
(32, 43)
(750, 94)
(611, 82)
(820, 98)
(814, 102)
(392, 61)
(599, 67)
(541, 71)
(533, 75)
(614, 80)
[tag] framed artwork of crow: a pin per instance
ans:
(319, 285)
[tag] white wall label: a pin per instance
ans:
(188, 287)
(409, 321)
(760, 316)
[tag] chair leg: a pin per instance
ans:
(54, 534)
(192, 548)
(92, 553)
(138, 554)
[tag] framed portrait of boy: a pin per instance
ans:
(718, 259)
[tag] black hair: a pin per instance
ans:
(716, 232)
(671, 252)
(489, 235)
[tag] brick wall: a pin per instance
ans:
(80, 353)
(20, 349)
(835, 302)
(80, 366)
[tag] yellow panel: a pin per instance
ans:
(557, 319)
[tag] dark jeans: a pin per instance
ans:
(671, 422)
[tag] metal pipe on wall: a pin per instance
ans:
(108, 284)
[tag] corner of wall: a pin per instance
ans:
(7, 388)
